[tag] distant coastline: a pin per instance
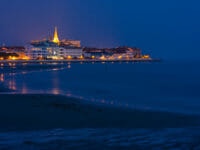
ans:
(80, 61)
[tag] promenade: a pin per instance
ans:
(78, 61)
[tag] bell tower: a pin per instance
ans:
(56, 39)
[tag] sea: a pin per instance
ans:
(167, 86)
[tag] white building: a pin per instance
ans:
(54, 52)
(35, 53)
(54, 49)
(74, 52)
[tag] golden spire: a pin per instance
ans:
(56, 39)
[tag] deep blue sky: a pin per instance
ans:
(168, 28)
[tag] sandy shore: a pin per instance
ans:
(38, 112)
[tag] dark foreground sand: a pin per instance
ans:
(102, 139)
(39, 112)
(50, 122)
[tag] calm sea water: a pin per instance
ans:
(167, 86)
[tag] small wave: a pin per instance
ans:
(89, 138)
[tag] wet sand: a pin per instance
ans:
(38, 112)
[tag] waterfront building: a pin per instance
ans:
(36, 52)
(114, 53)
(54, 49)
(71, 43)
(19, 51)
(3, 49)
(73, 52)
(57, 52)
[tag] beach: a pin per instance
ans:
(43, 121)
(38, 112)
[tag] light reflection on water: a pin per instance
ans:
(12, 84)
(9, 77)
(23, 88)
(131, 85)
(55, 81)
(56, 91)
(69, 66)
(2, 77)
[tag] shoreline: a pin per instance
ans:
(20, 112)
(78, 61)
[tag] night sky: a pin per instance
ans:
(168, 29)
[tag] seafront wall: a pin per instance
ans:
(77, 61)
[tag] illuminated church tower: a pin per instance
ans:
(56, 39)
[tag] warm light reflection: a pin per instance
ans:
(2, 77)
(55, 84)
(56, 91)
(69, 66)
(24, 89)
(12, 84)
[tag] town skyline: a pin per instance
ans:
(152, 26)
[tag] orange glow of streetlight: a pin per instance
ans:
(102, 57)
(120, 57)
(69, 57)
(146, 56)
(25, 58)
